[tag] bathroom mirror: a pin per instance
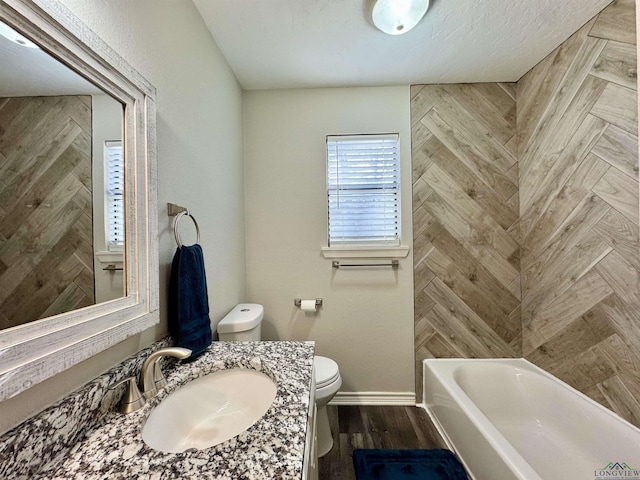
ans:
(115, 115)
(61, 187)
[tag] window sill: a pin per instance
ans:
(365, 252)
(110, 257)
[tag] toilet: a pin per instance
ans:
(243, 324)
(328, 382)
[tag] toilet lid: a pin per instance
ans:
(326, 371)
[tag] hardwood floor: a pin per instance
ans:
(373, 427)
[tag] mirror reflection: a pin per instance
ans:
(61, 187)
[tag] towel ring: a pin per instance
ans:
(175, 227)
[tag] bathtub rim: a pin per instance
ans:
(505, 451)
(536, 369)
(479, 420)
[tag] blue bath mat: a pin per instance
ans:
(433, 464)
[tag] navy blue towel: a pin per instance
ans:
(189, 322)
(435, 464)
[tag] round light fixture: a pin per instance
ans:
(10, 34)
(397, 16)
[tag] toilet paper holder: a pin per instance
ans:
(298, 302)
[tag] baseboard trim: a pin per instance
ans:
(374, 398)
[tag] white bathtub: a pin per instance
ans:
(508, 419)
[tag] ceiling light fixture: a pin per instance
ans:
(397, 16)
(10, 34)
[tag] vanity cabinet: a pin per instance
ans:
(310, 465)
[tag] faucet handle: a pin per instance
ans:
(132, 399)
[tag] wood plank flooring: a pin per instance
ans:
(373, 427)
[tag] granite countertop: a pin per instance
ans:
(273, 448)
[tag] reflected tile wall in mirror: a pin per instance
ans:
(54, 205)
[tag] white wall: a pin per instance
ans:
(106, 120)
(199, 161)
(366, 322)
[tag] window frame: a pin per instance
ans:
(373, 249)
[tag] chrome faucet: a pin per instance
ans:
(151, 377)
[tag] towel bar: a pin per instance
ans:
(179, 212)
(112, 268)
(392, 264)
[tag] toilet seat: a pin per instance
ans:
(326, 371)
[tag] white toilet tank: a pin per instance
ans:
(242, 323)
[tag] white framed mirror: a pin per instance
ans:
(55, 339)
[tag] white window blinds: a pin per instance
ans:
(114, 195)
(363, 190)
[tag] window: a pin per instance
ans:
(114, 195)
(363, 190)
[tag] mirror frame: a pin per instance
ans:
(35, 351)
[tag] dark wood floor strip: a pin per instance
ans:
(374, 427)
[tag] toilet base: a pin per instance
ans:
(325, 439)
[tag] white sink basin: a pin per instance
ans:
(209, 410)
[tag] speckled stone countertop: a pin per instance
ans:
(273, 448)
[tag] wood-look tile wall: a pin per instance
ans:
(578, 151)
(526, 224)
(46, 231)
(465, 222)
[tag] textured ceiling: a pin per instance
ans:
(273, 44)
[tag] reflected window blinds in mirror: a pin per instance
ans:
(114, 195)
(60, 105)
